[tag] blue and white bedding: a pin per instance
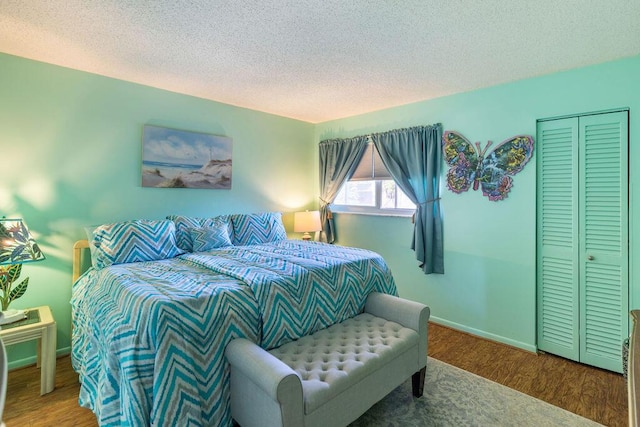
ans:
(149, 337)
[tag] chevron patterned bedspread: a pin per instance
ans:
(149, 337)
(303, 286)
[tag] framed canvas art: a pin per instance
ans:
(173, 158)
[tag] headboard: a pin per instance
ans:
(80, 258)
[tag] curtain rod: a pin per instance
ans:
(370, 135)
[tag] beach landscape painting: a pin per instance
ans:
(173, 158)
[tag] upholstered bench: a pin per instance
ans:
(334, 375)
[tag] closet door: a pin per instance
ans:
(582, 238)
(604, 257)
(557, 238)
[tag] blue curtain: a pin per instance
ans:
(338, 160)
(413, 157)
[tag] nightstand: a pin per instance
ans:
(39, 325)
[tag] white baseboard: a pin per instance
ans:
(32, 360)
(483, 334)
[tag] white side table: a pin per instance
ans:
(39, 325)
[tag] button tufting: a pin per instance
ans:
(333, 354)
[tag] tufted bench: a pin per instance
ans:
(331, 377)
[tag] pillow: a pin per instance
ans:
(185, 223)
(207, 238)
(133, 241)
(253, 229)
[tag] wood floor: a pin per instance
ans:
(593, 393)
(584, 390)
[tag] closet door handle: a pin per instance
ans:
(590, 258)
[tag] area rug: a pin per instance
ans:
(454, 397)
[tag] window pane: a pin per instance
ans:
(393, 197)
(341, 197)
(403, 201)
(388, 196)
(361, 193)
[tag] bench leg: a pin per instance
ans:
(417, 380)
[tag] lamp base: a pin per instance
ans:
(306, 236)
(11, 315)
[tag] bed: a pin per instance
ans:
(162, 299)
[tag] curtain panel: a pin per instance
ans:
(413, 158)
(338, 159)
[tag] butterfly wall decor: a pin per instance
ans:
(492, 171)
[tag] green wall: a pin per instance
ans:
(489, 283)
(71, 155)
(71, 152)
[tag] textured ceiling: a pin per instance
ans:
(317, 60)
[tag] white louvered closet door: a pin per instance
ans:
(582, 239)
(557, 238)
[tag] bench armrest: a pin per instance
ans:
(264, 390)
(409, 314)
(266, 371)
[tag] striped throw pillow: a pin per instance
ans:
(207, 238)
(185, 223)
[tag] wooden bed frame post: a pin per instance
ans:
(78, 248)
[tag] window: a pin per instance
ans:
(372, 190)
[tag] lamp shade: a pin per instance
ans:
(307, 221)
(17, 245)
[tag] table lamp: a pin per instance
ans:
(304, 222)
(17, 246)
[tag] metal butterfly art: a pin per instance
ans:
(492, 171)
